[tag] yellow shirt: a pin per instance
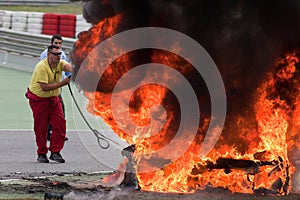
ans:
(43, 73)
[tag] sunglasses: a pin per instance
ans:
(57, 42)
(55, 53)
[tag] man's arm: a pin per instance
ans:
(53, 86)
(68, 67)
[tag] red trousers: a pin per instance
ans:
(48, 111)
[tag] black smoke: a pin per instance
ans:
(243, 37)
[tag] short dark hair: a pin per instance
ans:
(50, 47)
(56, 36)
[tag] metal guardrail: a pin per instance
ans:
(32, 2)
(29, 44)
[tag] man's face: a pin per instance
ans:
(57, 42)
(54, 55)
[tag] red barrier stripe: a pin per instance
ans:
(67, 17)
(67, 34)
(51, 16)
(67, 28)
(49, 32)
(64, 24)
(67, 22)
(50, 21)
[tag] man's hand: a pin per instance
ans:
(66, 81)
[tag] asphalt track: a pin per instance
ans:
(17, 141)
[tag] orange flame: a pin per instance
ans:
(263, 167)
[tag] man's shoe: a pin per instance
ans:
(42, 158)
(57, 157)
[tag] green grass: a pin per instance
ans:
(75, 8)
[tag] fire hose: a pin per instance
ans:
(100, 136)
